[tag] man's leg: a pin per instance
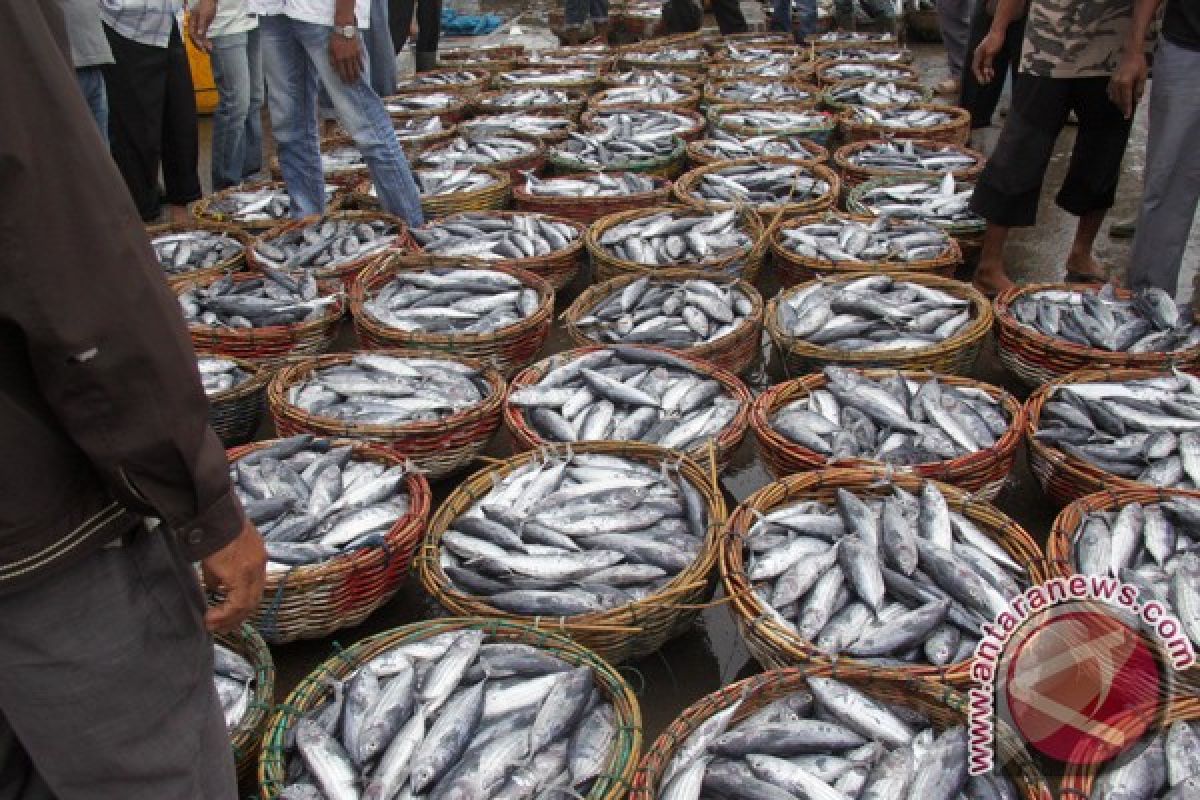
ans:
(292, 100)
(400, 17)
(91, 85)
(729, 16)
(781, 16)
(108, 679)
(381, 50)
(136, 94)
(598, 11)
(252, 165)
(954, 20)
(231, 74)
(181, 140)
(808, 19)
(429, 32)
(1172, 170)
(575, 14)
(361, 113)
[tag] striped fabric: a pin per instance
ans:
(147, 22)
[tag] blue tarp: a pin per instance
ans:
(456, 24)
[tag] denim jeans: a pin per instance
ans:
(237, 122)
(381, 55)
(295, 57)
(781, 17)
(577, 12)
(91, 84)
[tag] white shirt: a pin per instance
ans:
(232, 17)
(318, 12)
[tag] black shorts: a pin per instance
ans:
(1008, 190)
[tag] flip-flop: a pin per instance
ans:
(1084, 277)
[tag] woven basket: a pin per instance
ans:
(767, 213)
(476, 125)
(313, 691)
(853, 175)
(730, 70)
(413, 144)
(837, 107)
(720, 44)
(1036, 358)
(1065, 478)
(956, 130)
(606, 266)
(487, 103)
(686, 79)
(982, 473)
(313, 601)
(697, 156)
(734, 352)
(449, 114)
(791, 268)
(559, 267)
(636, 59)
(234, 263)
(487, 52)
(944, 707)
(955, 355)
(820, 134)
(480, 79)
(968, 234)
(203, 209)
(620, 634)
(342, 178)
(786, 49)
(505, 350)
(515, 167)
(437, 449)
(513, 79)
(823, 67)
(670, 166)
(246, 737)
(712, 90)
(236, 412)
(694, 131)
(775, 645)
(526, 438)
(348, 270)
(270, 345)
(689, 102)
(493, 197)
(882, 52)
(589, 209)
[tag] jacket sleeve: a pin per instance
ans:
(82, 288)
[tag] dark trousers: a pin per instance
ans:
(1008, 189)
(152, 121)
(729, 16)
(981, 98)
(107, 689)
(429, 23)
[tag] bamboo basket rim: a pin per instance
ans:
(408, 86)
(949, 258)
(244, 259)
(923, 91)
(697, 152)
(560, 159)
(661, 184)
(691, 98)
(326, 288)
(402, 242)
(746, 218)
(712, 88)
(246, 736)
(716, 117)
(460, 94)
(619, 767)
(202, 208)
(686, 182)
(529, 263)
(588, 119)
(499, 82)
(577, 99)
(611, 81)
(538, 152)
(855, 205)
(259, 377)
(835, 51)
(841, 158)
(958, 118)
(823, 66)
(304, 367)
(502, 182)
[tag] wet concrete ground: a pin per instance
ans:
(711, 654)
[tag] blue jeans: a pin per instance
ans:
(295, 57)
(381, 55)
(91, 84)
(237, 122)
(781, 17)
(577, 12)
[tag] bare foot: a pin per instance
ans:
(179, 215)
(1086, 265)
(991, 280)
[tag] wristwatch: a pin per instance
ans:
(347, 31)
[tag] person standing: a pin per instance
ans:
(237, 72)
(882, 12)
(981, 99)
(576, 15)
(429, 29)
(1172, 177)
(1071, 51)
(728, 14)
(381, 51)
(309, 41)
(781, 18)
(89, 53)
(152, 106)
(105, 648)
(954, 22)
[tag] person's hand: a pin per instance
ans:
(199, 20)
(346, 56)
(1128, 82)
(985, 56)
(238, 571)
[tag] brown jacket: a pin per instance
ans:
(102, 417)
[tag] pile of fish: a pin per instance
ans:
(831, 743)
(579, 534)
(677, 237)
(546, 77)
(312, 501)
(533, 97)
(642, 123)
(760, 185)
(219, 375)
(894, 420)
(650, 77)
(842, 240)
(872, 314)
(268, 204)
(768, 120)
(1146, 430)
(270, 299)
(595, 55)
(421, 103)
(608, 148)
(627, 394)
(486, 149)
(458, 717)
(188, 251)
(873, 93)
(866, 54)
(641, 95)
(326, 243)
(747, 91)
(532, 124)
(390, 390)
(854, 37)
(727, 146)
(415, 127)
(436, 182)
(670, 55)
(1155, 547)
(452, 301)
(1149, 322)
(446, 78)
(853, 71)
(907, 155)
(899, 117)
(893, 579)
(341, 158)
(756, 55)
(600, 184)
(776, 66)
(1168, 768)
(233, 677)
(668, 313)
(940, 202)
(495, 237)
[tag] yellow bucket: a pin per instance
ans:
(202, 77)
